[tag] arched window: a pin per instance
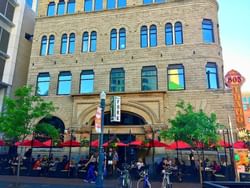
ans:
(178, 33)
(93, 37)
(111, 4)
(121, 3)
(122, 38)
(85, 42)
(208, 31)
(51, 45)
(168, 34)
(88, 5)
(113, 39)
(60, 7)
(176, 77)
(71, 7)
(43, 48)
(149, 78)
(43, 82)
(64, 41)
(51, 9)
(117, 80)
(64, 83)
(87, 81)
(71, 43)
(153, 36)
(144, 37)
(98, 5)
(212, 76)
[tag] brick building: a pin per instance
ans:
(151, 53)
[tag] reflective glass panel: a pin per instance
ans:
(51, 45)
(122, 3)
(144, 37)
(208, 33)
(71, 43)
(60, 8)
(117, 80)
(153, 36)
(149, 79)
(147, 1)
(93, 41)
(111, 4)
(212, 76)
(43, 82)
(64, 83)
(122, 38)
(85, 42)
(168, 34)
(87, 82)
(71, 7)
(43, 46)
(64, 41)
(51, 9)
(88, 6)
(113, 40)
(178, 33)
(98, 5)
(176, 80)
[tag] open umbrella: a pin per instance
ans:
(48, 143)
(30, 143)
(136, 143)
(222, 143)
(70, 143)
(2, 143)
(118, 144)
(95, 143)
(156, 143)
(240, 145)
(179, 145)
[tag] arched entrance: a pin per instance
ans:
(56, 122)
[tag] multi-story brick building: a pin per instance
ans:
(151, 53)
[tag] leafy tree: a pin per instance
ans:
(192, 127)
(48, 131)
(20, 113)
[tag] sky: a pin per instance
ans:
(234, 20)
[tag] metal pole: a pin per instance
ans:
(225, 150)
(99, 181)
(71, 134)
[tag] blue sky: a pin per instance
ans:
(234, 20)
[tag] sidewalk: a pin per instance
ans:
(43, 182)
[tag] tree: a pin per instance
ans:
(192, 127)
(20, 114)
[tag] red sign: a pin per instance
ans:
(234, 78)
(98, 119)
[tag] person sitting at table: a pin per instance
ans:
(14, 162)
(215, 167)
(37, 164)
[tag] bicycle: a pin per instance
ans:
(166, 179)
(143, 182)
(125, 179)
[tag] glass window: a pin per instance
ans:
(64, 83)
(88, 6)
(3, 6)
(42, 86)
(122, 3)
(51, 9)
(64, 41)
(122, 38)
(147, 1)
(168, 34)
(43, 46)
(51, 45)
(117, 80)
(98, 5)
(207, 30)
(149, 78)
(160, 1)
(244, 107)
(113, 39)
(87, 81)
(244, 99)
(71, 43)
(153, 36)
(71, 7)
(144, 37)
(111, 4)
(60, 7)
(85, 42)
(29, 3)
(178, 33)
(10, 11)
(93, 37)
(4, 41)
(212, 76)
(176, 78)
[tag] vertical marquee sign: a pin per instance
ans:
(115, 111)
(234, 80)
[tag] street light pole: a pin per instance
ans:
(99, 181)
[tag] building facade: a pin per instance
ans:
(151, 53)
(16, 30)
(246, 108)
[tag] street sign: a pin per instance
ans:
(115, 111)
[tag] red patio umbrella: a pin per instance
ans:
(95, 143)
(222, 143)
(70, 143)
(156, 143)
(179, 145)
(136, 143)
(240, 145)
(30, 143)
(2, 143)
(48, 143)
(119, 144)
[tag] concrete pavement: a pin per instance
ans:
(44, 182)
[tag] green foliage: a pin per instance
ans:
(192, 127)
(19, 116)
(47, 130)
